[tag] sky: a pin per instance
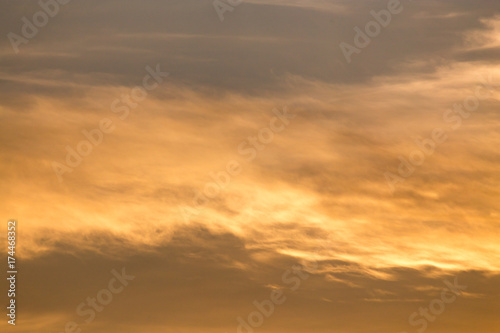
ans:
(252, 166)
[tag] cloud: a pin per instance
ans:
(199, 270)
(320, 181)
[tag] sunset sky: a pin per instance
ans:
(312, 151)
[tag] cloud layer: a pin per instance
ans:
(321, 180)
